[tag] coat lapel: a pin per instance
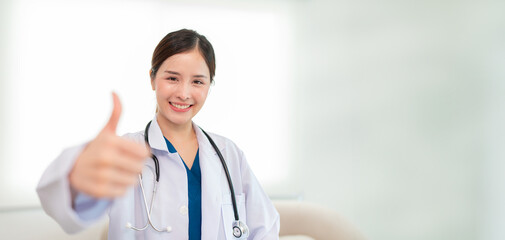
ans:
(156, 139)
(212, 171)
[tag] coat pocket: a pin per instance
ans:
(228, 214)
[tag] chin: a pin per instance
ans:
(178, 121)
(173, 120)
(181, 123)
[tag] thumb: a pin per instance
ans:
(114, 117)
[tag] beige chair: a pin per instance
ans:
(306, 221)
(302, 220)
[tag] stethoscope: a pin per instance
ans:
(240, 229)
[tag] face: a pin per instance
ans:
(181, 85)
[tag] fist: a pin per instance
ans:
(109, 164)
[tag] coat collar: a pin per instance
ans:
(157, 141)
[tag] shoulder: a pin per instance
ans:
(233, 155)
(224, 143)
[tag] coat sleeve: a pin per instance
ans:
(262, 217)
(56, 198)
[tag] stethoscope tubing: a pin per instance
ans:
(145, 205)
(155, 159)
(225, 167)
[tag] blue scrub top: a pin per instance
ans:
(194, 194)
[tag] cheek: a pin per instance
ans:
(163, 90)
(202, 95)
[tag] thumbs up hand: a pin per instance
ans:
(109, 164)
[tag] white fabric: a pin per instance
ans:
(255, 208)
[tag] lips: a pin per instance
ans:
(178, 107)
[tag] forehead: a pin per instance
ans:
(191, 61)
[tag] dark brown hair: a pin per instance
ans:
(182, 41)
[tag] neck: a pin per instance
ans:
(175, 132)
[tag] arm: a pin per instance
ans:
(262, 217)
(57, 200)
(77, 188)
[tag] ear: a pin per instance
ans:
(152, 80)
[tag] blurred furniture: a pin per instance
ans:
(307, 221)
(302, 220)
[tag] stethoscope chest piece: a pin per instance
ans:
(240, 230)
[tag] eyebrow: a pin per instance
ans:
(178, 74)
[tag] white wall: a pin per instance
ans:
(399, 115)
(33, 223)
(64, 58)
(395, 110)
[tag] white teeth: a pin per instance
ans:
(180, 106)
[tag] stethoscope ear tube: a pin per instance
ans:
(155, 159)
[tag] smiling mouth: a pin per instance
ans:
(180, 106)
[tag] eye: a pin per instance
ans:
(198, 82)
(172, 78)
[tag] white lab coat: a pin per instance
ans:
(170, 207)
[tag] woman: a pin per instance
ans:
(194, 199)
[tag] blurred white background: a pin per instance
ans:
(390, 112)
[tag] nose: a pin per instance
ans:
(183, 91)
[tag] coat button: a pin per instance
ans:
(183, 210)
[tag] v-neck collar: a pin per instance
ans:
(170, 146)
(196, 161)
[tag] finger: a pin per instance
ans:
(110, 182)
(121, 178)
(93, 188)
(116, 158)
(136, 150)
(107, 190)
(128, 164)
(114, 117)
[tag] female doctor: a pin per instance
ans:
(189, 193)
